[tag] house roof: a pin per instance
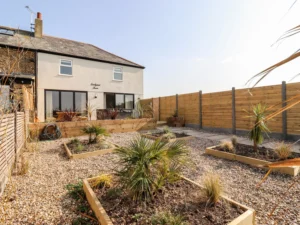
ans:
(61, 46)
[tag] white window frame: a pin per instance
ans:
(118, 67)
(63, 74)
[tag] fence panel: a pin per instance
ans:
(7, 147)
(245, 100)
(188, 106)
(217, 109)
(167, 107)
(293, 114)
(20, 130)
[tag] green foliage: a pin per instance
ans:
(94, 131)
(104, 180)
(260, 127)
(76, 190)
(75, 141)
(166, 130)
(82, 221)
(212, 188)
(113, 193)
(168, 136)
(79, 148)
(167, 218)
(147, 165)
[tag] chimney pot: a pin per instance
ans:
(39, 15)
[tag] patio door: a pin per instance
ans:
(58, 101)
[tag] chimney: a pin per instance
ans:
(38, 28)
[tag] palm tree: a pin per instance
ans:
(146, 165)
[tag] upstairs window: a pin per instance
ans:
(65, 67)
(118, 73)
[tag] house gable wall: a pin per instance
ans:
(85, 72)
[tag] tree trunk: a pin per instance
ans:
(255, 146)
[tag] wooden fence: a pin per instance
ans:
(226, 111)
(12, 139)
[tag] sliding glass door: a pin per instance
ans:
(119, 101)
(57, 101)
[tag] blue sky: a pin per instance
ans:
(186, 46)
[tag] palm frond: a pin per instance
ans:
(261, 75)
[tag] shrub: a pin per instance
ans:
(79, 147)
(94, 131)
(212, 188)
(234, 141)
(104, 180)
(166, 130)
(168, 136)
(75, 141)
(167, 218)
(260, 127)
(283, 150)
(76, 190)
(147, 165)
(227, 146)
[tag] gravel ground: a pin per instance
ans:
(39, 197)
(240, 181)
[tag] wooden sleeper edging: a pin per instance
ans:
(247, 218)
(171, 140)
(293, 170)
(88, 154)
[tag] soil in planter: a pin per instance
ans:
(178, 135)
(266, 154)
(180, 198)
(84, 146)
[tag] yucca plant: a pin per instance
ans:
(147, 165)
(94, 131)
(260, 126)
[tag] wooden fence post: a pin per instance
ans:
(158, 119)
(177, 103)
(200, 109)
(284, 113)
(233, 111)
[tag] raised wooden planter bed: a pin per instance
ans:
(88, 154)
(171, 140)
(294, 170)
(246, 218)
(74, 129)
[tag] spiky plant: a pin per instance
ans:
(167, 218)
(260, 126)
(227, 146)
(147, 165)
(94, 131)
(234, 141)
(283, 150)
(212, 188)
(104, 180)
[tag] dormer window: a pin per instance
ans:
(66, 67)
